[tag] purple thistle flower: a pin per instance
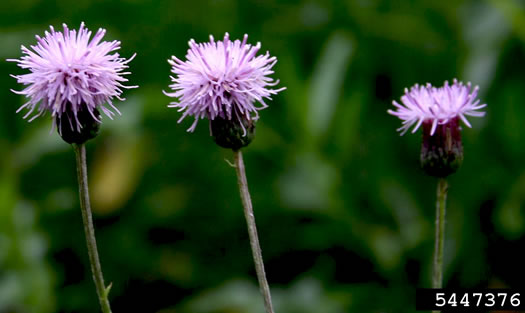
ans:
(69, 73)
(437, 106)
(222, 79)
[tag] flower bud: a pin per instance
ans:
(231, 134)
(73, 132)
(441, 152)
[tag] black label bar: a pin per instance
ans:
(462, 300)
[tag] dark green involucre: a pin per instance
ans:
(89, 130)
(442, 152)
(231, 134)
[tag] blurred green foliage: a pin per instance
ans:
(345, 216)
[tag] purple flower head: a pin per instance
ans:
(70, 73)
(437, 106)
(222, 79)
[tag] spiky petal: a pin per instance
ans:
(437, 106)
(222, 79)
(70, 72)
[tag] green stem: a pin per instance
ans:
(102, 292)
(252, 231)
(437, 275)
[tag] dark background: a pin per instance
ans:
(345, 215)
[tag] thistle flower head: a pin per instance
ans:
(222, 79)
(439, 111)
(70, 73)
(437, 106)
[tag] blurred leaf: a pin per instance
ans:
(115, 173)
(168, 201)
(25, 281)
(514, 11)
(386, 246)
(304, 296)
(178, 267)
(508, 118)
(485, 31)
(236, 296)
(510, 215)
(347, 125)
(308, 182)
(412, 227)
(39, 141)
(327, 81)
(401, 26)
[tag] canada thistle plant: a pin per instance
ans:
(223, 81)
(72, 77)
(439, 110)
